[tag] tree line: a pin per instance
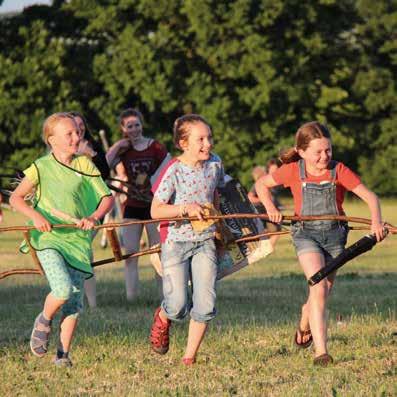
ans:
(256, 69)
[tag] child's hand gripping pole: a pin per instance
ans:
(223, 235)
(359, 247)
(201, 225)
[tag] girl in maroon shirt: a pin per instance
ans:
(136, 158)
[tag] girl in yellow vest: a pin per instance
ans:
(67, 189)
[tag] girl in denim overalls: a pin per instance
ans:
(184, 187)
(318, 185)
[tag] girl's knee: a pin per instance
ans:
(203, 316)
(320, 291)
(175, 312)
(69, 311)
(62, 292)
(73, 307)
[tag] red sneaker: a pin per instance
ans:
(160, 334)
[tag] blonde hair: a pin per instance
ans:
(305, 134)
(50, 123)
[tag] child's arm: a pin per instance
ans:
(369, 197)
(104, 207)
(262, 187)
(253, 198)
(161, 210)
(17, 201)
(115, 151)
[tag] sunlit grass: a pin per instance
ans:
(248, 350)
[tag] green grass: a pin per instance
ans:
(248, 350)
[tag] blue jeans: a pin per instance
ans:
(327, 241)
(182, 261)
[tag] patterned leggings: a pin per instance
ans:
(65, 283)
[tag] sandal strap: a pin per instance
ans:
(305, 332)
(39, 339)
(40, 335)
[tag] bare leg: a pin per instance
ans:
(153, 239)
(131, 238)
(67, 327)
(304, 321)
(273, 240)
(51, 306)
(195, 337)
(312, 262)
(90, 291)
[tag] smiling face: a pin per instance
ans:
(199, 142)
(65, 137)
(317, 155)
(131, 128)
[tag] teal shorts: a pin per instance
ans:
(65, 282)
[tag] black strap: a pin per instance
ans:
(359, 247)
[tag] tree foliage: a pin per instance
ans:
(255, 69)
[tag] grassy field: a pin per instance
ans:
(248, 350)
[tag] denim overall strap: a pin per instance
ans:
(302, 172)
(318, 199)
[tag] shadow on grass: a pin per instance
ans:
(242, 302)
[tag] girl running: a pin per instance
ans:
(136, 158)
(68, 188)
(318, 185)
(185, 187)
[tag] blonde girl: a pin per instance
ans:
(68, 189)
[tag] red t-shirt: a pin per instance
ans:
(288, 175)
(140, 165)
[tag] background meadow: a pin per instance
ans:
(248, 350)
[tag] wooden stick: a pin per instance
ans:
(25, 229)
(114, 243)
(33, 252)
(392, 229)
(19, 271)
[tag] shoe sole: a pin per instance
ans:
(160, 350)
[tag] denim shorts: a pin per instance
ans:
(327, 241)
(184, 261)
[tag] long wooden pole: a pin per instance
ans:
(392, 229)
(117, 252)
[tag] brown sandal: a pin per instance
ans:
(303, 345)
(323, 360)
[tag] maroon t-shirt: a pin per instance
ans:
(140, 165)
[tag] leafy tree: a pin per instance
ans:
(255, 69)
(40, 73)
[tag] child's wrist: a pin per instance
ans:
(183, 210)
(96, 219)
